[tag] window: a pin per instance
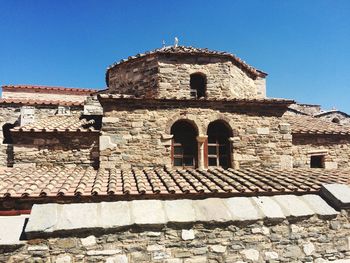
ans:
(198, 83)
(184, 146)
(219, 150)
(335, 120)
(317, 161)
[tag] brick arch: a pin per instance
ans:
(190, 118)
(223, 118)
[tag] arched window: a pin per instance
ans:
(184, 147)
(336, 120)
(198, 83)
(219, 150)
(6, 133)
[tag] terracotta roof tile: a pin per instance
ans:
(188, 50)
(311, 125)
(161, 182)
(40, 102)
(70, 123)
(63, 90)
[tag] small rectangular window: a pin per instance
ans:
(317, 161)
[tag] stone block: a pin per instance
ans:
(63, 259)
(148, 212)
(337, 194)
(198, 259)
(330, 165)
(106, 143)
(115, 214)
(293, 206)
(318, 205)
(286, 162)
(242, 209)
(269, 208)
(211, 209)
(284, 128)
(69, 219)
(88, 241)
(263, 131)
(43, 218)
(218, 248)
(187, 234)
(251, 254)
(117, 259)
(179, 211)
(107, 252)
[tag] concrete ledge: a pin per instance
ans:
(337, 194)
(11, 228)
(53, 219)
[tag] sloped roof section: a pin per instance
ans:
(156, 183)
(311, 125)
(63, 90)
(188, 50)
(71, 123)
(235, 100)
(37, 102)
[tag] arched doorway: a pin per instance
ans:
(219, 147)
(184, 144)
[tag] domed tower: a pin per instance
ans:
(186, 72)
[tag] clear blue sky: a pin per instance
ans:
(303, 45)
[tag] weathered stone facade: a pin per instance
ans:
(10, 114)
(168, 76)
(334, 148)
(309, 240)
(42, 149)
(138, 134)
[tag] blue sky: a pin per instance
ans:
(303, 45)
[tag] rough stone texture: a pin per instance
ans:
(11, 114)
(305, 240)
(41, 149)
(139, 132)
(335, 148)
(169, 76)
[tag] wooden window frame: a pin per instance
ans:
(218, 154)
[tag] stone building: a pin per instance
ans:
(181, 159)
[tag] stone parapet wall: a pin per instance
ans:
(169, 76)
(138, 134)
(335, 148)
(40, 149)
(310, 240)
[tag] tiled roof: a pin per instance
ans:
(236, 100)
(63, 90)
(331, 112)
(70, 123)
(188, 50)
(161, 182)
(311, 125)
(40, 102)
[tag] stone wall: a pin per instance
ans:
(137, 78)
(224, 79)
(309, 240)
(335, 148)
(169, 76)
(137, 134)
(10, 113)
(42, 149)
